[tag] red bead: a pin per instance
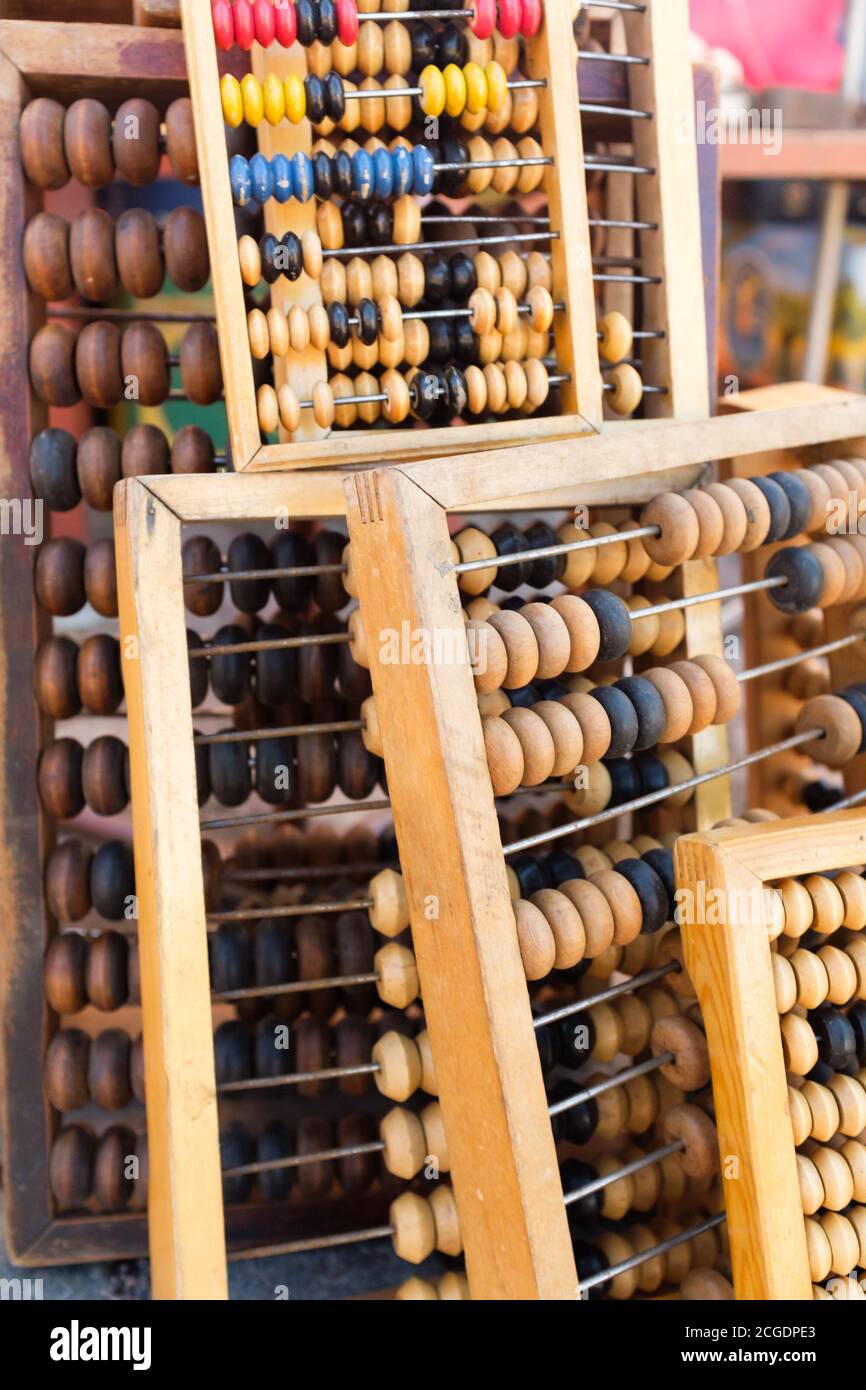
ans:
(530, 22)
(510, 14)
(285, 22)
(484, 22)
(245, 28)
(223, 25)
(263, 14)
(347, 22)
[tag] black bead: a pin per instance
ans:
(327, 22)
(273, 952)
(53, 472)
(230, 673)
(590, 1261)
(510, 541)
(198, 680)
(799, 501)
(857, 1023)
(230, 778)
(437, 280)
(306, 15)
(323, 176)
(441, 413)
(291, 256)
(625, 781)
(576, 1040)
(276, 670)
(652, 773)
(202, 773)
(455, 385)
(112, 880)
(835, 1035)
(575, 1174)
(819, 796)
(531, 875)
(805, 577)
(578, 1123)
(293, 551)
(338, 318)
(547, 1041)
(275, 776)
(452, 46)
(233, 1052)
(317, 108)
(527, 695)
(649, 708)
(462, 277)
(465, 342)
(614, 622)
(562, 867)
(662, 861)
(441, 340)
(335, 97)
(249, 552)
(550, 569)
(653, 894)
(574, 972)
(354, 224)
(551, 690)
(270, 1060)
(271, 270)
(368, 322)
(236, 1151)
(380, 220)
(231, 958)
(273, 1144)
(342, 178)
(423, 395)
(450, 181)
(780, 509)
(623, 719)
(423, 45)
(857, 702)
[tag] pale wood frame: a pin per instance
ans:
(502, 1154)
(669, 197)
(730, 965)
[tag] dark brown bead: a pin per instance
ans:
(180, 140)
(108, 1069)
(356, 1172)
(230, 776)
(211, 863)
(312, 1043)
(133, 971)
(98, 366)
(144, 452)
(99, 466)
(231, 672)
(358, 769)
(52, 365)
(52, 469)
(112, 1181)
(63, 972)
(354, 1046)
(136, 142)
(317, 663)
(356, 944)
(136, 1069)
(331, 594)
(107, 971)
(112, 882)
(317, 767)
(105, 775)
(99, 681)
(322, 845)
(184, 241)
(59, 778)
(67, 881)
(58, 577)
(354, 679)
(201, 556)
(144, 358)
(87, 138)
(55, 678)
(249, 552)
(70, 1167)
(200, 371)
(192, 451)
(100, 577)
(91, 252)
(46, 257)
(139, 258)
(314, 947)
(360, 845)
(198, 672)
(40, 140)
(314, 1135)
(65, 1069)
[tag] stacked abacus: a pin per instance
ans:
(367, 303)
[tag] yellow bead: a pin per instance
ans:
(432, 85)
(232, 100)
(274, 99)
(497, 86)
(252, 94)
(476, 88)
(455, 90)
(296, 98)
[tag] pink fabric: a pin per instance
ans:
(792, 43)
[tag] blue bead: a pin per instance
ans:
(362, 174)
(241, 180)
(302, 176)
(404, 171)
(282, 173)
(263, 179)
(425, 173)
(383, 173)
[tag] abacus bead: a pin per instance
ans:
(99, 679)
(835, 1038)
(622, 716)
(552, 637)
(52, 365)
(842, 731)
(58, 579)
(535, 939)
(583, 630)
(53, 474)
(726, 685)
(87, 139)
(678, 523)
(136, 142)
(800, 566)
(649, 709)
(105, 776)
(180, 141)
(521, 645)
(757, 512)
(702, 692)
(112, 881)
(200, 371)
(614, 623)
(98, 364)
(139, 260)
(46, 256)
(100, 577)
(41, 142)
(799, 501)
(651, 891)
(54, 678)
(59, 778)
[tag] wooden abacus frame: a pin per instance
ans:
(669, 198)
(502, 1154)
(730, 965)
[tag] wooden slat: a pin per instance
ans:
(107, 61)
(476, 1003)
(185, 1209)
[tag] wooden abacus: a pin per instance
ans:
(780, 974)
(349, 292)
(494, 927)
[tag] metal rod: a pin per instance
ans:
(304, 813)
(298, 1078)
(228, 576)
(344, 726)
(277, 644)
(580, 1006)
(449, 245)
(628, 1170)
(378, 93)
(588, 56)
(754, 587)
(258, 914)
(296, 1160)
(297, 1247)
(294, 987)
(533, 161)
(786, 661)
(624, 1266)
(609, 1083)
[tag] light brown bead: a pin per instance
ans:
(539, 753)
(734, 516)
(521, 645)
(566, 925)
(677, 702)
(594, 725)
(757, 512)
(504, 755)
(553, 638)
(583, 631)
(679, 526)
(595, 915)
(624, 903)
(727, 687)
(535, 939)
(702, 692)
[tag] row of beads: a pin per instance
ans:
(63, 472)
(302, 21)
(96, 364)
(80, 142)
